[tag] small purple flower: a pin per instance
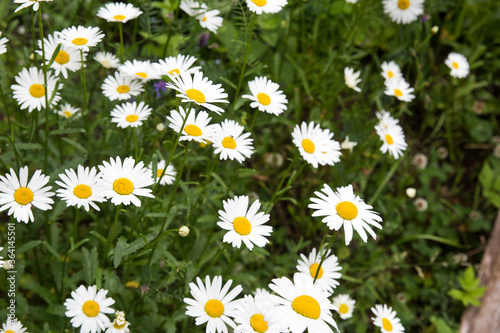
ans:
(425, 18)
(160, 85)
(144, 289)
(203, 39)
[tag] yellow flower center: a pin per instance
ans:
(175, 71)
(82, 191)
(123, 89)
(258, 323)
(192, 130)
(398, 92)
(389, 139)
(9, 331)
(242, 226)
(62, 58)
(204, 18)
(308, 146)
(390, 74)
(306, 306)
(314, 268)
(159, 172)
(347, 210)
(343, 309)
(214, 308)
(123, 186)
(80, 41)
(196, 95)
(403, 4)
(67, 114)
(260, 3)
(37, 90)
(115, 325)
(386, 324)
(229, 142)
(264, 99)
(142, 74)
(132, 118)
(91, 308)
(455, 64)
(119, 17)
(23, 195)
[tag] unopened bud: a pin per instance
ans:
(183, 231)
(435, 29)
(411, 192)
(160, 127)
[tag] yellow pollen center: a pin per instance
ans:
(142, 74)
(119, 17)
(403, 4)
(389, 139)
(260, 3)
(264, 99)
(174, 71)
(306, 306)
(308, 146)
(398, 92)
(214, 308)
(347, 210)
(67, 114)
(196, 95)
(23, 196)
(115, 325)
(9, 331)
(82, 191)
(37, 90)
(229, 142)
(343, 309)
(390, 74)
(314, 268)
(123, 89)
(204, 18)
(132, 118)
(192, 130)
(454, 64)
(123, 186)
(62, 58)
(386, 324)
(80, 41)
(91, 308)
(258, 323)
(159, 172)
(242, 226)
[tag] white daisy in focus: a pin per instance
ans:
(403, 11)
(458, 64)
(18, 195)
(266, 6)
(82, 188)
(30, 90)
(255, 315)
(391, 71)
(67, 111)
(345, 305)
(119, 12)
(210, 20)
(130, 114)
(121, 86)
(343, 208)
(200, 90)
(385, 120)
(351, 78)
(212, 303)
(244, 224)
(191, 7)
(176, 65)
(137, 69)
(124, 182)
(386, 319)
(68, 58)
(27, 3)
(303, 306)
(80, 37)
(12, 326)
(87, 309)
(328, 273)
(266, 96)
(168, 176)
(3, 41)
(107, 59)
(197, 126)
(400, 89)
(316, 145)
(119, 325)
(230, 141)
(393, 139)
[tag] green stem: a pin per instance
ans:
(46, 109)
(111, 234)
(84, 109)
(65, 258)
(273, 198)
(122, 49)
(135, 143)
(385, 181)
(325, 253)
(221, 251)
(253, 119)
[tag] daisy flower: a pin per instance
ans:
(119, 12)
(80, 37)
(345, 305)
(68, 58)
(130, 114)
(328, 273)
(82, 188)
(303, 306)
(343, 208)
(200, 90)
(119, 325)
(212, 304)
(142, 70)
(176, 65)
(210, 20)
(255, 315)
(191, 7)
(391, 71)
(18, 195)
(266, 6)
(197, 126)
(107, 59)
(87, 309)
(121, 86)
(351, 78)
(386, 319)
(316, 145)
(400, 89)
(393, 139)
(3, 41)
(67, 111)
(244, 224)
(30, 90)
(385, 120)
(266, 96)
(12, 326)
(403, 11)
(458, 64)
(124, 182)
(27, 3)
(169, 174)
(230, 141)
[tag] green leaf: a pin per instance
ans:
(120, 245)
(99, 236)
(28, 246)
(67, 131)
(52, 250)
(28, 146)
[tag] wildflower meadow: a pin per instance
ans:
(247, 166)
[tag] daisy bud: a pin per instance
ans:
(32, 56)
(496, 151)
(183, 231)
(420, 161)
(411, 192)
(160, 127)
(8, 265)
(420, 204)
(435, 29)
(442, 152)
